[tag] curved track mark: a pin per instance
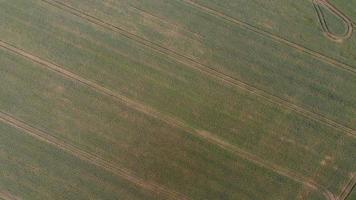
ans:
(189, 62)
(206, 136)
(89, 157)
(347, 21)
(273, 37)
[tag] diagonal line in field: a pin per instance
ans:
(206, 69)
(195, 35)
(5, 195)
(348, 188)
(206, 136)
(273, 37)
(89, 157)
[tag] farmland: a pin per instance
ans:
(180, 99)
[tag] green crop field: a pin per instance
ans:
(178, 99)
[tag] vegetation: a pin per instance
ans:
(347, 7)
(178, 100)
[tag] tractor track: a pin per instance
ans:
(348, 188)
(299, 178)
(206, 136)
(347, 21)
(189, 62)
(4, 195)
(279, 39)
(89, 157)
(323, 23)
(192, 35)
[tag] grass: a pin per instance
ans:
(34, 170)
(352, 195)
(334, 23)
(293, 20)
(346, 7)
(148, 147)
(151, 148)
(276, 69)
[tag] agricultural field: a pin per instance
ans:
(352, 195)
(179, 99)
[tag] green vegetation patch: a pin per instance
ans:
(148, 72)
(31, 169)
(148, 147)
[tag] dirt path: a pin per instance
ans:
(347, 21)
(189, 62)
(88, 157)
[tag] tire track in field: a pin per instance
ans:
(299, 178)
(320, 15)
(279, 39)
(347, 21)
(89, 157)
(191, 34)
(206, 136)
(324, 25)
(189, 62)
(348, 188)
(5, 195)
